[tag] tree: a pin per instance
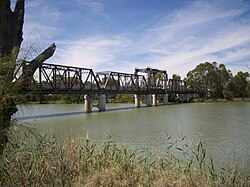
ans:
(224, 76)
(238, 86)
(208, 80)
(11, 37)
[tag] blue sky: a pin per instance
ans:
(119, 35)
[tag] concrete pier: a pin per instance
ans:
(165, 99)
(149, 100)
(186, 97)
(137, 101)
(87, 103)
(154, 96)
(102, 102)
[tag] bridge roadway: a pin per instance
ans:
(60, 79)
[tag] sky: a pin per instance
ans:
(120, 35)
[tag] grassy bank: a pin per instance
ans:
(213, 100)
(38, 160)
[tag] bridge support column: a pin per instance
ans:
(177, 97)
(102, 102)
(165, 99)
(87, 103)
(186, 97)
(149, 100)
(137, 101)
(154, 96)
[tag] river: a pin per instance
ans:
(225, 127)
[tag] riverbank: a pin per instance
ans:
(213, 100)
(130, 101)
(36, 159)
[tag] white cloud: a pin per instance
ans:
(193, 35)
(40, 32)
(96, 53)
(202, 31)
(94, 6)
(40, 25)
(43, 11)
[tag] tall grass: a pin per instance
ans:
(34, 159)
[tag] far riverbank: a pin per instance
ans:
(213, 100)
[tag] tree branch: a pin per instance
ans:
(30, 69)
(46, 54)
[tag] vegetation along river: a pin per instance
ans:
(225, 127)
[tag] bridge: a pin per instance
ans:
(60, 79)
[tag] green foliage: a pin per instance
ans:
(238, 86)
(7, 90)
(172, 98)
(73, 98)
(124, 98)
(7, 67)
(176, 77)
(228, 94)
(33, 159)
(7, 95)
(210, 80)
(248, 89)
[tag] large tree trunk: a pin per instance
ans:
(11, 26)
(11, 37)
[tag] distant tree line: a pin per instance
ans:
(216, 81)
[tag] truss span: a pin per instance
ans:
(60, 79)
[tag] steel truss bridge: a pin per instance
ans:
(60, 79)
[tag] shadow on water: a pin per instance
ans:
(71, 113)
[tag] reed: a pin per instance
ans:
(35, 159)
